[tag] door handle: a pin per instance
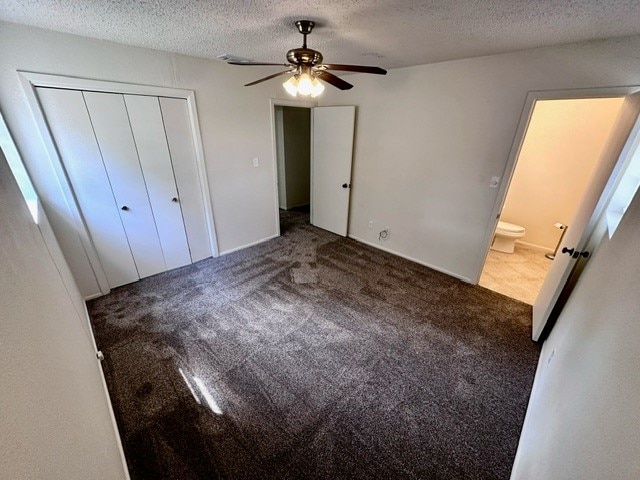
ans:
(574, 253)
(125, 208)
(346, 185)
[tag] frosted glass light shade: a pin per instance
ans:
(291, 86)
(318, 87)
(305, 85)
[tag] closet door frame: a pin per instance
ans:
(31, 80)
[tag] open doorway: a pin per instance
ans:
(313, 153)
(293, 163)
(560, 152)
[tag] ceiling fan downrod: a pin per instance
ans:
(305, 27)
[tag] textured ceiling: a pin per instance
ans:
(386, 33)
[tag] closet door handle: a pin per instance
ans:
(174, 199)
(125, 208)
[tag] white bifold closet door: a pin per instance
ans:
(118, 156)
(111, 126)
(153, 151)
(177, 126)
(70, 126)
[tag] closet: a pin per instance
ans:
(131, 163)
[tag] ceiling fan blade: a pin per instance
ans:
(268, 78)
(354, 68)
(333, 80)
(254, 64)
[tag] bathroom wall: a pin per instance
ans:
(560, 150)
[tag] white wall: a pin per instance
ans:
(55, 420)
(560, 150)
(429, 138)
(235, 123)
(583, 419)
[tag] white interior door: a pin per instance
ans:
(148, 132)
(333, 129)
(70, 126)
(584, 221)
(113, 132)
(175, 113)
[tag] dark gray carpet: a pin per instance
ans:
(315, 357)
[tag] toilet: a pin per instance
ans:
(505, 237)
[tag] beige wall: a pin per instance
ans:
(235, 124)
(429, 138)
(583, 420)
(55, 419)
(561, 148)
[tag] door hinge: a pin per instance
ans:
(100, 355)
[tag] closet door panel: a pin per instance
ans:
(179, 137)
(113, 132)
(69, 123)
(153, 152)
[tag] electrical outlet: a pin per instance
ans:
(370, 224)
(256, 162)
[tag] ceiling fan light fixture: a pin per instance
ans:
(304, 85)
(308, 67)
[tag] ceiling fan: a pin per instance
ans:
(306, 67)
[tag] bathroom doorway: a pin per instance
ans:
(558, 155)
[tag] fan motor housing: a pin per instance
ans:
(304, 56)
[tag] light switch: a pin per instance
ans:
(495, 181)
(256, 162)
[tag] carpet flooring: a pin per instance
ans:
(312, 356)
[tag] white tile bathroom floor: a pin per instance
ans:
(517, 275)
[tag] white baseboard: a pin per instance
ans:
(407, 257)
(91, 297)
(534, 246)
(226, 252)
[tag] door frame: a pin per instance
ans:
(31, 80)
(516, 146)
(273, 103)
